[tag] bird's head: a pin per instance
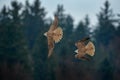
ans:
(76, 51)
(45, 34)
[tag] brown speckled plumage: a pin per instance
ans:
(53, 35)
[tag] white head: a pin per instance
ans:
(76, 51)
(45, 34)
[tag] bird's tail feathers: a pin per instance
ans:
(58, 34)
(90, 49)
(85, 58)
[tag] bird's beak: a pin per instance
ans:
(45, 34)
(76, 51)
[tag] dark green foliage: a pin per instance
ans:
(24, 48)
(105, 31)
(106, 40)
(13, 48)
(33, 16)
(68, 26)
(118, 27)
(40, 57)
(82, 29)
(105, 25)
(106, 70)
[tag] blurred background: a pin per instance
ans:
(23, 47)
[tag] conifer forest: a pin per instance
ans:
(24, 48)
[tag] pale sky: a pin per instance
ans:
(77, 8)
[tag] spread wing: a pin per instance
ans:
(58, 34)
(54, 24)
(85, 58)
(80, 43)
(78, 56)
(81, 47)
(84, 39)
(90, 49)
(50, 45)
(80, 50)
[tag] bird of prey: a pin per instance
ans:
(54, 35)
(84, 49)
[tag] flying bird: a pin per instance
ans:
(54, 35)
(84, 49)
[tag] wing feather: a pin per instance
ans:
(58, 34)
(50, 46)
(90, 49)
(84, 39)
(54, 24)
(79, 45)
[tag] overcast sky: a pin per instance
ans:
(77, 8)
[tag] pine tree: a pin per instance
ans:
(37, 41)
(13, 47)
(82, 29)
(87, 25)
(106, 70)
(118, 27)
(105, 30)
(114, 51)
(61, 15)
(4, 23)
(69, 26)
(34, 18)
